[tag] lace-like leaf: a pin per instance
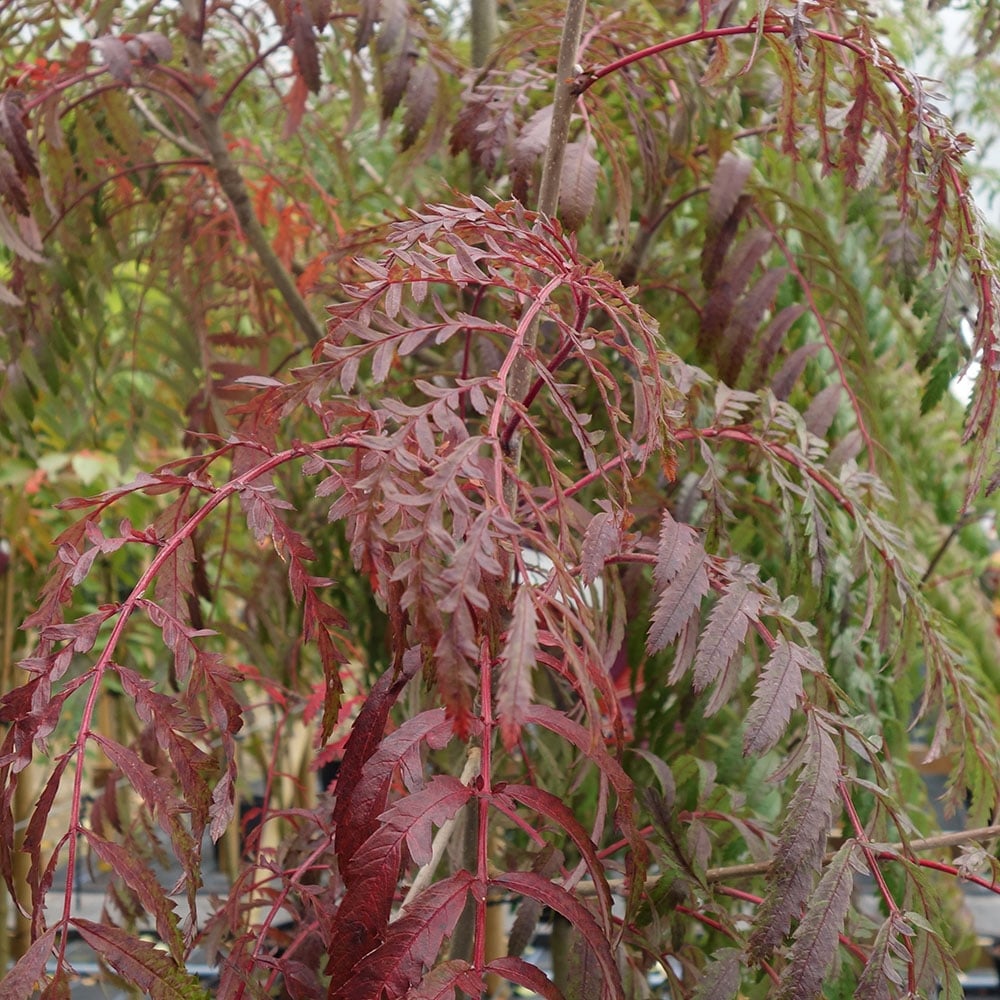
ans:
(816, 938)
(776, 695)
(578, 186)
(411, 944)
(723, 636)
(517, 663)
(142, 963)
(681, 573)
(800, 847)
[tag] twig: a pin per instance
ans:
(231, 182)
(731, 872)
(178, 140)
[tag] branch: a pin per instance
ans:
(231, 182)
(885, 851)
(548, 202)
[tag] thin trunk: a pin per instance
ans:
(548, 201)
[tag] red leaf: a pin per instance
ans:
(140, 962)
(21, 983)
(524, 974)
(361, 744)
(802, 841)
(421, 92)
(441, 983)
(517, 663)
(304, 47)
(681, 598)
(731, 174)
(17, 158)
(817, 936)
(601, 539)
(555, 809)
(776, 694)
(412, 943)
(363, 916)
(723, 636)
(143, 882)
(558, 899)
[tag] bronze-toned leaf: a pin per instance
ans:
(115, 55)
(305, 49)
(776, 695)
(731, 174)
(578, 186)
(517, 664)
(421, 93)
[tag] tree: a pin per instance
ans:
(612, 537)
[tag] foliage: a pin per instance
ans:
(613, 537)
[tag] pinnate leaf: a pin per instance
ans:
(143, 882)
(683, 559)
(776, 694)
(802, 841)
(141, 963)
(411, 945)
(725, 633)
(22, 981)
(816, 938)
(517, 663)
(578, 186)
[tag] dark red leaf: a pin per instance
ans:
(776, 695)
(731, 175)
(721, 978)
(682, 597)
(362, 920)
(442, 982)
(526, 975)
(552, 807)
(142, 963)
(725, 633)
(143, 882)
(602, 539)
(817, 936)
(412, 943)
(362, 743)
(21, 982)
(517, 664)
(554, 896)
(305, 49)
